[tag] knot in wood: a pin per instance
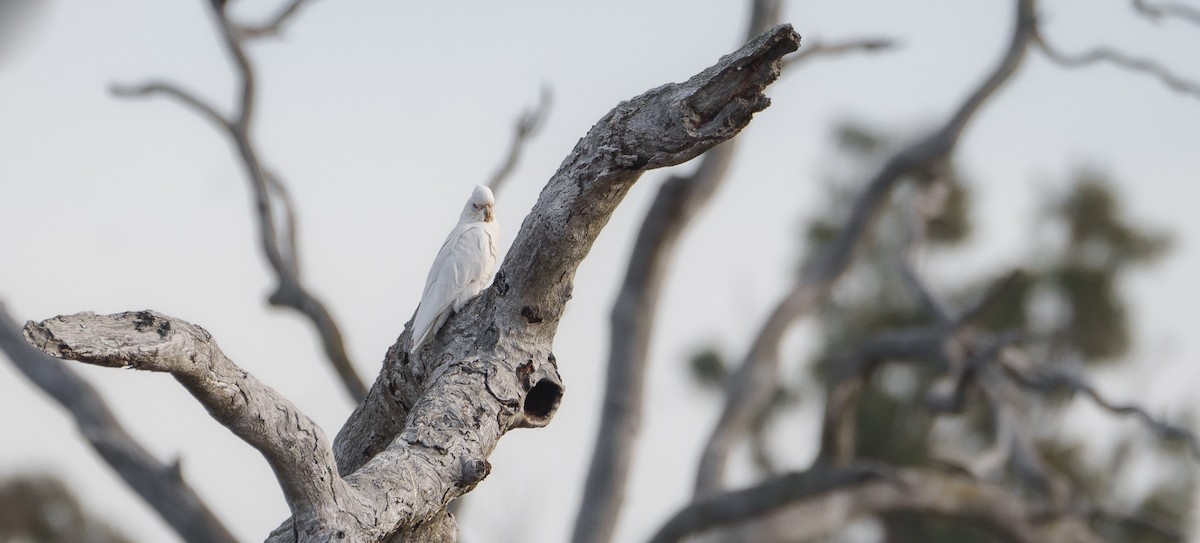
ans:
(472, 471)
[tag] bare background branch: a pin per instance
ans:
(1158, 10)
(816, 48)
(273, 207)
(1120, 60)
(527, 125)
(749, 387)
(679, 199)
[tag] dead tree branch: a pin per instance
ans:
(172, 91)
(821, 49)
(293, 445)
(273, 26)
(1046, 381)
(527, 126)
(522, 308)
(812, 505)
(159, 484)
(491, 372)
(1120, 60)
(749, 388)
(1168, 9)
(272, 205)
(680, 198)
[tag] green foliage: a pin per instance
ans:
(1101, 247)
(1098, 233)
(857, 139)
(1068, 301)
(41, 509)
(1008, 312)
(952, 225)
(911, 527)
(1098, 326)
(708, 368)
(1080, 276)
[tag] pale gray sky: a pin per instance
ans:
(382, 115)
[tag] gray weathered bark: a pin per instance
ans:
(160, 484)
(527, 125)
(422, 436)
(679, 199)
(664, 126)
(750, 387)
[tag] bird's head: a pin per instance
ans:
(480, 208)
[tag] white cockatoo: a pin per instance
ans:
(462, 269)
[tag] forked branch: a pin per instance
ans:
(750, 387)
(1159, 10)
(1121, 60)
(491, 369)
(272, 206)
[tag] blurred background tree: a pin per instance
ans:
(41, 509)
(1067, 304)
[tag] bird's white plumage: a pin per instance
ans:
(462, 269)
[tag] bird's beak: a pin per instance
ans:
(487, 213)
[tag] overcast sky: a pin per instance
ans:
(382, 115)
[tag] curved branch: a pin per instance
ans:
(1049, 381)
(290, 291)
(821, 49)
(808, 506)
(288, 248)
(273, 26)
(145, 340)
(679, 199)
(159, 484)
(1168, 9)
(170, 90)
(749, 388)
(1121, 60)
(272, 204)
(527, 126)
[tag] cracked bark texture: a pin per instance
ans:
(160, 484)
(665, 126)
(422, 436)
